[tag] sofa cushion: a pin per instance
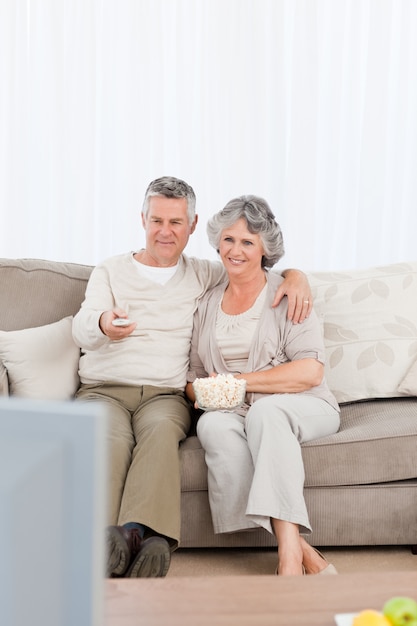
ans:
(41, 362)
(370, 329)
(34, 292)
(409, 383)
(376, 443)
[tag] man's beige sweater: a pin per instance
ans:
(157, 351)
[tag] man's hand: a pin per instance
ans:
(115, 332)
(300, 299)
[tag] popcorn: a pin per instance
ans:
(223, 391)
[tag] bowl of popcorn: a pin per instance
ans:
(223, 391)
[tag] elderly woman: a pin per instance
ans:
(253, 454)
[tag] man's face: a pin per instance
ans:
(167, 230)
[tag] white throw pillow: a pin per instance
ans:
(370, 329)
(409, 383)
(42, 362)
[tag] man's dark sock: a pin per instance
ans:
(134, 525)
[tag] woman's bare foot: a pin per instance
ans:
(313, 561)
(290, 548)
(290, 560)
(290, 569)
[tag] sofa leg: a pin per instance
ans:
(414, 549)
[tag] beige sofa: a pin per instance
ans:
(361, 483)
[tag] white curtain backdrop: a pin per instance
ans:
(311, 104)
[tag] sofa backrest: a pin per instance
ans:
(369, 318)
(34, 292)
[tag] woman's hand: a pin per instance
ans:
(300, 299)
(189, 392)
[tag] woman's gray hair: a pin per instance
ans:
(171, 187)
(260, 221)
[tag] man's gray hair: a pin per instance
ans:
(171, 187)
(260, 221)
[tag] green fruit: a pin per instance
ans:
(401, 611)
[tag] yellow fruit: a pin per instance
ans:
(369, 617)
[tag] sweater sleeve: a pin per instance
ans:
(98, 298)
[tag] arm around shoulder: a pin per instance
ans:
(296, 288)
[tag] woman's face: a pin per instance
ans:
(240, 250)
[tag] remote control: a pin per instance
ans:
(121, 321)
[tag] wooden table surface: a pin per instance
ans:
(250, 600)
